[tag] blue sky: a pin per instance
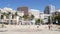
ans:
(33, 4)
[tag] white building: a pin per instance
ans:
(36, 13)
(52, 8)
(41, 15)
(58, 10)
(45, 20)
(10, 20)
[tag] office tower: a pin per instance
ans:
(46, 11)
(49, 9)
(24, 8)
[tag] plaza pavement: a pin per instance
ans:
(39, 32)
(30, 29)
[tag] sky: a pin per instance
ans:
(32, 4)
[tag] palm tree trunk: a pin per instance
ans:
(17, 20)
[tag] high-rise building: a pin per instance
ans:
(46, 11)
(25, 9)
(49, 9)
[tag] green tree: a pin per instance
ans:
(12, 16)
(2, 17)
(5, 14)
(16, 14)
(37, 22)
(58, 18)
(25, 17)
(9, 13)
(32, 17)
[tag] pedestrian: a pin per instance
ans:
(38, 26)
(49, 26)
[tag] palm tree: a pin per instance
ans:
(26, 19)
(2, 22)
(9, 14)
(31, 17)
(3, 14)
(16, 15)
(2, 17)
(20, 18)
